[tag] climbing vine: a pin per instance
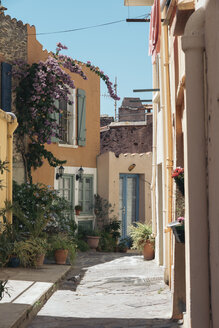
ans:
(38, 86)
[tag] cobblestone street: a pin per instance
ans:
(109, 290)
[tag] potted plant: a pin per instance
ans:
(178, 229)
(123, 245)
(78, 209)
(178, 176)
(31, 251)
(143, 239)
(93, 237)
(63, 245)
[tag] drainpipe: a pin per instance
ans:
(11, 126)
(164, 182)
(154, 160)
(169, 158)
(196, 223)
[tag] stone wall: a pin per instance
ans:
(127, 139)
(13, 45)
(13, 39)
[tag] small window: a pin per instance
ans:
(86, 195)
(66, 122)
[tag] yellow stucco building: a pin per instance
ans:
(8, 124)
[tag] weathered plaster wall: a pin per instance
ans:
(109, 167)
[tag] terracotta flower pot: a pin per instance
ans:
(148, 251)
(61, 256)
(93, 241)
(40, 260)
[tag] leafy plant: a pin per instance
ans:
(178, 176)
(102, 210)
(3, 167)
(82, 245)
(63, 241)
(3, 289)
(140, 233)
(78, 208)
(37, 207)
(107, 243)
(28, 250)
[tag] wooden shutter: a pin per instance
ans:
(56, 117)
(81, 101)
(6, 87)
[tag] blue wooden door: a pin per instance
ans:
(128, 201)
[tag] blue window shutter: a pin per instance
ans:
(56, 117)
(6, 87)
(81, 101)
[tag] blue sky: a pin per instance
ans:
(120, 50)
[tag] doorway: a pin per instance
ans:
(128, 201)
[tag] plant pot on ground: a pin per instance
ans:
(93, 237)
(143, 239)
(30, 251)
(63, 245)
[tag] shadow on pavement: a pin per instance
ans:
(57, 322)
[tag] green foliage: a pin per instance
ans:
(102, 210)
(82, 245)
(107, 243)
(28, 250)
(63, 241)
(113, 228)
(78, 207)
(37, 207)
(3, 167)
(3, 288)
(140, 233)
(124, 244)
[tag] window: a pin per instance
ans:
(81, 112)
(66, 121)
(85, 196)
(66, 190)
(5, 78)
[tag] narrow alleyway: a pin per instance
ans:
(109, 291)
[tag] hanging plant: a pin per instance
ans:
(178, 176)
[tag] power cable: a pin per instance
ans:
(85, 28)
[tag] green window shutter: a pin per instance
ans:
(6, 87)
(56, 117)
(81, 101)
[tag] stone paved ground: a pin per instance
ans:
(113, 291)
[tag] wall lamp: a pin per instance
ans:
(131, 167)
(80, 174)
(60, 172)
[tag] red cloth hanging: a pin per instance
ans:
(155, 30)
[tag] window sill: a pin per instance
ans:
(68, 146)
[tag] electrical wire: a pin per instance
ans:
(85, 28)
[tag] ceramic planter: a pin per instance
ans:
(178, 231)
(61, 256)
(14, 261)
(93, 241)
(148, 250)
(40, 260)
